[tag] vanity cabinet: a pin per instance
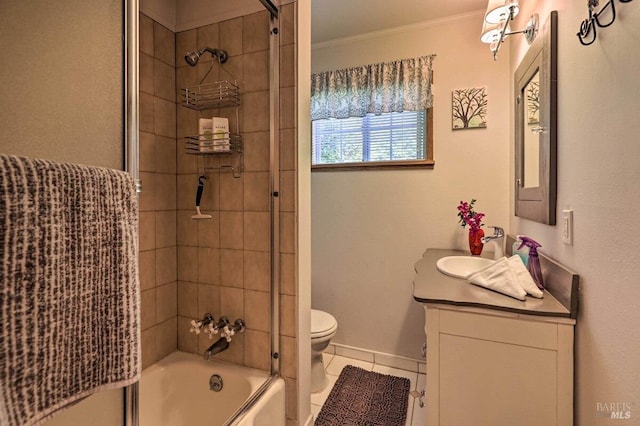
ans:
(488, 367)
(494, 360)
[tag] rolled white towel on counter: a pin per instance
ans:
(499, 277)
(524, 277)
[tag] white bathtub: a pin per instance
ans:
(175, 392)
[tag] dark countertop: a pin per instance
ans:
(432, 286)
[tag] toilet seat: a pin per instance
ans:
(322, 324)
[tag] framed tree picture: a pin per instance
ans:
(469, 108)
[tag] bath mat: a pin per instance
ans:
(362, 397)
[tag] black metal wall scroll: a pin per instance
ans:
(603, 18)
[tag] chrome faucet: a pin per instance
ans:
(498, 239)
(220, 345)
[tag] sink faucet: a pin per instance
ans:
(498, 239)
(220, 345)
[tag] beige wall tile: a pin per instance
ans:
(232, 303)
(147, 231)
(166, 265)
(287, 191)
(187, 341)
(147, 269)
(287, 315)
(287, 149)
(164, 44)
(211, 194)
(185, 163)
(288, 356)
(208, 301)
(148, 194)
(165, 154)
(209, 230)
(258, 312)
(188, 263)
(235, 353)
(288, 274)
(186, 192)
(255, 32)
(287, 66)
(231, 189)
(231, 36)
(165, 229)
(231, 230)
(186, 41)
(149, 347)
(287, 233)
(287, 108)
(256, 191)
(257, 349)
(164, 118)
(146, 73)
(166, 191)
(147, 144)
(167, 337)
(148, 309)
(205, 73)
(257, 230)
(208, 37)
(287, 27)
(188, 300)
(231, 268)
(208, 265)
(256, 151)
(187, 228)
(255, 66)
(187, 119)
(146, 34)
(257, 270)
(166, 301)
(146, 113)
(233, 71)
(164, 81)
(255, 111)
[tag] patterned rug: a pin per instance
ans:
(362, 397)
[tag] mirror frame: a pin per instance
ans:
(538, 203)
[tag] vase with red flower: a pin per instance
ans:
(467, 216)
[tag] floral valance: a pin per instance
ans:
(403, 85)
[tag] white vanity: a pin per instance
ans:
(494, 360)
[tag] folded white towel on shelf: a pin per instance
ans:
(524, 277)
(498, 277)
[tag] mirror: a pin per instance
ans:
(536, 127)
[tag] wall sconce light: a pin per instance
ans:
(496, 27)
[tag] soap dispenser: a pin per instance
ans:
(534, 261)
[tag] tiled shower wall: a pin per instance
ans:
(223, 264)
(158, 268)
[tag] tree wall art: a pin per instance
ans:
(469, 108)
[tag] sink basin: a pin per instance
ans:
(461, 266)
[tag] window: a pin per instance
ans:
(376, 115)
(394, 139)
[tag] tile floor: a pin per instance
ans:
(334, 364)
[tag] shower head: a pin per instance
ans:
(192, 58)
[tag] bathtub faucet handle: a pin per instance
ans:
(197, 326)
(229, 330)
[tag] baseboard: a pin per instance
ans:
(380, 358)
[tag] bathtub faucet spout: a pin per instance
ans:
(220, 345)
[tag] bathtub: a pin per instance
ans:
(175, 392)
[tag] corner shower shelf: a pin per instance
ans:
(199, 145)
(220, 94)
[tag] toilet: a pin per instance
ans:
(323, 328)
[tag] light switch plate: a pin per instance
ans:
(567, 227)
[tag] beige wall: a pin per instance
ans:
(598, 90)
(369, 228)
(62, 99)
(158, 251)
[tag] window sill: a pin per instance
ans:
(378, 165)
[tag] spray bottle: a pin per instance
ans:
(534, 262)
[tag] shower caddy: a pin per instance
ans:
(208, 96)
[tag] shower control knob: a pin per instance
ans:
(196, 326)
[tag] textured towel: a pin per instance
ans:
(524, 277)
(498, 277)
(69, 294)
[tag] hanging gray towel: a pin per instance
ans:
(69, 291)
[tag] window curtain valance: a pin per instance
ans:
(403, 85)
